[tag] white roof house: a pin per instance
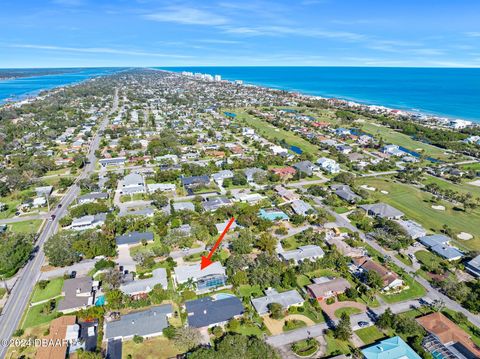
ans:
(328, 165)
(162, 187)
(185, 272)
(301, 207)
(285, 299)
(140, 286)
(88, 222)
(309, 252)
(133, 183)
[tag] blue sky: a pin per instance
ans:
(68, 33)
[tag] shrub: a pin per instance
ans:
(43, 284)
(137, 339)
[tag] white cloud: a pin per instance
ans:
(97, 50)
(473, 34)
(188, 16)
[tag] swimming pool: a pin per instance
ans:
(221, 296)
(100, 301)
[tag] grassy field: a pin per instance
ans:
(53, 289)
(31, 226)
(158, 347)
(271, 132)
(370, 335)
(35, 316)
(303, 280)
(250, 291)
(335, 346)
(348, 310)
(430, 260)
(462, 188)
(417, 206)
(415, 290)
(397, 138)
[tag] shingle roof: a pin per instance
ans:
(133, 238)
(187, 181)
(285, 299)
(303, 252)
(185, 272)
(159, 276)
(144, 323)
(382, 210)
(434, 240)
(207, 311)
(337, 285)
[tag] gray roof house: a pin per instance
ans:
(382, 210)
(133, 183)
(88, 222)
(414, 229)
(473, 266)
(309, 252)
(133, 238)
(306, 167)
(92, 197)
(78, 294)
(220, 176)
(209, 312)
(439, 244)
(148, 323)
(195, 181)
(142, 286)
(212, 204)
(116, 161)
(250, 173)
(301, 207)
(183, 206)
(43, 191)
(285, 299)
(345, 193)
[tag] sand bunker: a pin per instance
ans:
(384, 192)
(364, 186)
(464, 236)
(439, 208)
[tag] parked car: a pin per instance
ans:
(73, 274)
(363, 324)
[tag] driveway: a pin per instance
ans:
(82, 268)
(330, 309)
(125, 259)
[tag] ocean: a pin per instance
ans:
(449, 92)
(446, 92)
(20, 88)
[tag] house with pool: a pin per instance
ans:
(211, 277)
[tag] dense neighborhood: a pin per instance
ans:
(352, 237)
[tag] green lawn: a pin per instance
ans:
(293, 324)
(271, 132)
(428, 259)
(303, 280)
(397, 138)
(370, 335)
(348, 310)
(53, 289)
(417, 206)
(31, 226)
(153, 348)
(415, 290)
(35, 316)
(404, 259)
(462, 188)
(249, 291)
(335, 346)
(250, 330)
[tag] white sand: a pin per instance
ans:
(364, 186)
(384, 192)
(475, 183)
(439, 208)
(464, 236)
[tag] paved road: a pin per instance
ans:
(23, 219)
(21, 292)
(82, 268)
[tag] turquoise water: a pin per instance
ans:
(442, 91)
(29, 86)
(100, 301)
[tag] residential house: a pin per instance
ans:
(345, 192)
(446, 339)
(278, 150)
(413, 229)
(305, 167)
(133, 183)
(301, 207)
(60, 329)
(219, 177)
(92, 197)
(324, 288)
(139, 288)
(209, 312)
(473, 266)
(439, 244)
(286, 194)
(248, 197)
(284, 172)
(213, 203)
(133, 238)
(390, 280)
(78, 293)
(161, 187)
(285, 299)
(309, 252)
(183, 206)
(44, 191)
(391, 348)
(195, 181)
(205, 279)
(253, 172)
(147, 323)
(88, 222)
(116, 161)
(382, 210)
(328, 165)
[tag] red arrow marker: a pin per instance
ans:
(206, 261)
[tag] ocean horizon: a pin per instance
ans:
(447, 92)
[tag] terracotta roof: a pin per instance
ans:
(447, 331)
(369, 265)
(58, 331)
